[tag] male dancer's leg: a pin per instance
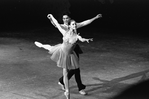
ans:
(70, 74)
(77, 71)
(80, 85)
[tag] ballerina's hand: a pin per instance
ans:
(91, 39)
(49, 16)
(99, 15)
(38, 44)
(87, 40)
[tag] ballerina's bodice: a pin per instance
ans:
(69, 40)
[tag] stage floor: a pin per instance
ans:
(108, 66)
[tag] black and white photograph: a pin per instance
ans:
(74, 49)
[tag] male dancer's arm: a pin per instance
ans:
(77, 48)
(86, 22)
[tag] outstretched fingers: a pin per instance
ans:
(91, 39)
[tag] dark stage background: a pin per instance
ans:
(126, 17)
(117, 57)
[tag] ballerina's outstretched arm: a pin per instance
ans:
(55, 22)
(84, 39)
(40, 45)
(48, 16)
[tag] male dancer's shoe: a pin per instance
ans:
(82, 92)
(62, 86)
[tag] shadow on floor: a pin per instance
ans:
(114, 86)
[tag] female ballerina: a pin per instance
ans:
(63, 54)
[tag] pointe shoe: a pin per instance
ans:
(38, 44)
(62, 86)
(66, 93)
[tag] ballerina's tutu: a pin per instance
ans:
(62, 58)
(59, 55)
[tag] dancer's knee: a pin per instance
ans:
(65, 72)
(77, 70)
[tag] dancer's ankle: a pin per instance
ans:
(66, 90)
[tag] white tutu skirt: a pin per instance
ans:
(64, 56)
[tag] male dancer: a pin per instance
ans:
(66, 19)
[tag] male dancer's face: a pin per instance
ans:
(66, 19)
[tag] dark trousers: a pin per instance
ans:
(75, 72)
